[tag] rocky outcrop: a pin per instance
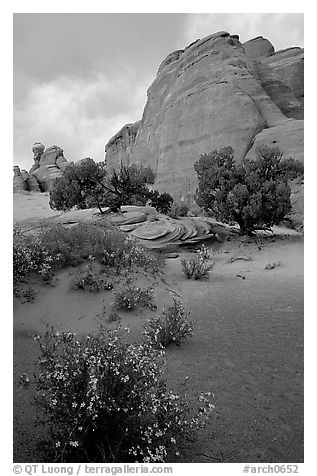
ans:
(119, 148)
(18, 182)
(48, 164)
(216, 92)
(282, 78)
(30, 182)
(258, 48)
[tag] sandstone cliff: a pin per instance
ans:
(214, 93)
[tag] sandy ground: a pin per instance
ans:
(31, 205)
(247, 347)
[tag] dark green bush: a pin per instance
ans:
(178, 209)
(253, 193)
(161, 201)
(89, 184)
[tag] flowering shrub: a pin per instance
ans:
(129, 297)
(87, 279)
(173, 327)
(199, 266)
(24, 292)
(57, 246)
(105, 400)
(29, 256)
(140, 257)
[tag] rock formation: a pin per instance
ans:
(214, 93)
(120, 146)
(48, 164)
(18, 182)
(30, 182)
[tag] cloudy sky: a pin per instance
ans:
(78, 78)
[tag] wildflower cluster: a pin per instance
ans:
(141, 257)
(30, 256)
(200, 265)
(131, 255)
(90, 280)
(105, 400)
(56, 246)
(129, 297)
(173, 327)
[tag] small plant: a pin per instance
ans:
(129, 297)
(103, 399)
(200, 265)
(24, 292)
(113, 317)
(30, 256)
(178, 209)
(88, 280)
(173, 327)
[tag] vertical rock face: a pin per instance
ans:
(49, 164)
(119, 148)
(214, 93)
(18, 182)
(282, 77)
(30, 182)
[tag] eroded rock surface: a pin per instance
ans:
(258, 48)
(214, 93)
(18, 182)
(48, 164)
(119, 148)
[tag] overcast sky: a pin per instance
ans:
(78, 78)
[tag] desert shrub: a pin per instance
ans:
(161, 201)
(178, 209)
(113, 317)
(253, 193)
(130, 184)
(138, 256)
(57, 246)
(30, 256)
(80, 186)
(72, 245)
(128, 298)
(24, 292)
(172, 327)
(198, 266)
(87, 183)
(106, 400)
(88, 279)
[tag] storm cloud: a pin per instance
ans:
(78, 78)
